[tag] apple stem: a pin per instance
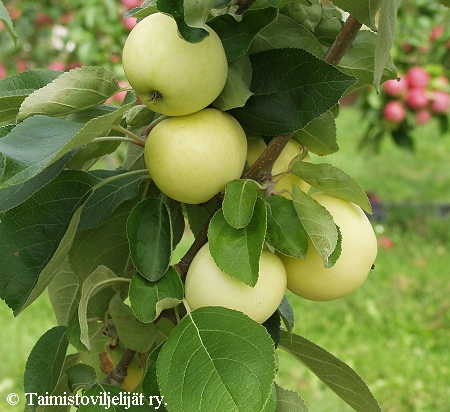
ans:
(119, 373)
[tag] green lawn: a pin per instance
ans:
(394, 331)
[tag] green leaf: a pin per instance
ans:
(108, 196)
(362, 10)
(216, 359)
(198, 215)
(15, 195)
(177, 10)
(319, 135)
(285, 32)
(237, 88)
(385, 38)
(150, 238)
(100, 279)
(35, 236)
(359, 61)
(133, 333)
(286, 314)
(290, 88)
(73, 91)
(196, 12)
(237, 35)
(308, 15)
(332, 181)
(39, 141)
(14, 89)
(289, 401)
(285, 231)
(63, 291)
(44, 365)
(239, 202)
(149, 380)
(104, 245)
(318, 223)
(337, 375)
(7, 22)
(80, 376)
(149, 299)
(237, 251)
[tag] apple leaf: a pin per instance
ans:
(150, 380)
(337, 375)
(385, 38)
(239, 202)
(287, 314)
(196, 12)
(14, 89)
(237, 251)
(177, 10)
(45, 363)
(307, 13)
(73, 91)
(364, 11)
(104, 245)
(288, 401)
(7, 22)
(285, 232)
(199, 215)
(319, 135)
(290, 88)
(285, 32)
(108, 196)
(359, 61)
(33, 235)
(80, 376)
(64, 291)
(40, 140)
(237, 88)
(318, 223)
(332, 181)
(237, 35)
(15, 195)
(133, 333)
(149, 299)
(149, 232)
(100, 279)
(216, 359)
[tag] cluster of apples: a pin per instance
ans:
(194, 150)
(418, 93)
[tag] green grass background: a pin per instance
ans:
(394, 331)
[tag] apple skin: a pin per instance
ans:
(191, 158)
(256, 146)
(187, 77)
(309, 278)
(394, 111)
(207, 285)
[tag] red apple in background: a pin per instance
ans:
(396, 87)
(129, 23)
(423, 116)
(21, 66)
(3, 71)
(416, 98)
(417, 77)
(43, 19)
(130, 4)
(394, 111)
(57, 65)
(436, 32)
(440, 102)
(385, 242)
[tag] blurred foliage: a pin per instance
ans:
(65, 34)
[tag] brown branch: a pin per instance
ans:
(119, 373)
(343, 41)
(243, 5)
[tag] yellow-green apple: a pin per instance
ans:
(309, 278)
(255, 147)
(207, 285)
(191, 158)
(169, 74)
